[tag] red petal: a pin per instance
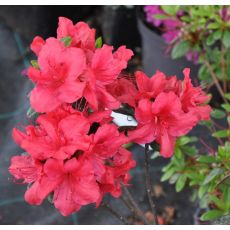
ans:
(63, 198)
(143, 112)
(74, 126)
(167, 144)
(65, 27)
(43, 99)
(40, 190)
(37, 44)
(24, 167)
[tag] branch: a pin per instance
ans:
(115, 213)
(148, 185)
(214, 78)
(224, 179)
(135, 206)
(222, 60)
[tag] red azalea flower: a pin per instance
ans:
(151, 87)
(58, 134)
(103, 70)
(73, 182)
(37, 44)
(66, 74)
(123, 90)
(101, 117)
(77, 176)
(193, 99)
(25, 168)
(32, 171)
(57, 79)
(82, 36)
(77, 184)
(162, 120)
(105, 143)
(116, 173)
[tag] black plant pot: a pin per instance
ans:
(154, 55)
(32, 20)
(119, 26)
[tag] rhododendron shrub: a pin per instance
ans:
(74, 152)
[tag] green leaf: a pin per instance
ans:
(34, 63)
(226, 38)
(185, 140)
(167, 174)
(174, 178)
(217, 34)
(227, 95)
(181, 182)
(189, 150)
(171, 10)
(203, 73)
(218, 113)
(185, 18)
(226, 197)
(180, 49)
(213, 25)
(67, 41)
(217, 202)
(226, 107)
(160, 16)
(207, 159)
(167, 167)
(210, 40)
(208, 124)
(98, 43)
(222, 133)
(215, 172)
(211, 215)
(178, 153)
(128, 145)
(202, 190)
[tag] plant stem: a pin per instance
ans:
(224, 179)
(115, 213)
(148, 185)
(135, 206)
(215, 79)
(129, 206)
(223, 67)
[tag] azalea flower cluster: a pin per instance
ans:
(165, 108)
(74, 151)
